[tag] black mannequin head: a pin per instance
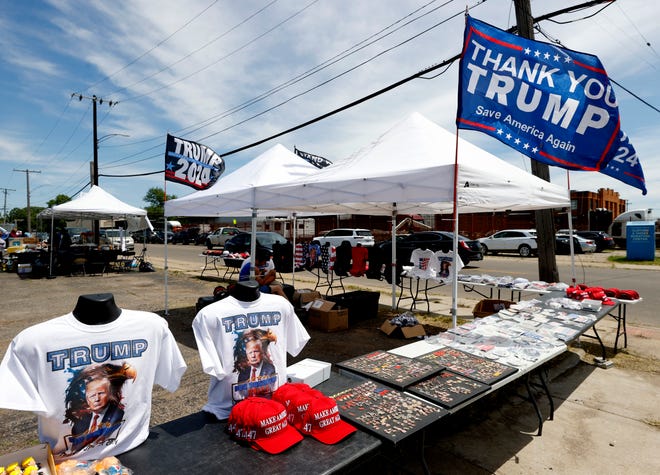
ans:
(245, 290)
(96, 309)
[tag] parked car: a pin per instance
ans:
(520, 241)
(354, 236)
(468, 250)
(580, 244)
(220, 236)
(185, 236)
(200, 240)
(601, 238)
(157, 237)
(112, 238)
(145, 235)
(78, 234)
(242, 241)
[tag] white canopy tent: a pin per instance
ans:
(410, 169)
(412, 165)
(97, 204)
(238, 194)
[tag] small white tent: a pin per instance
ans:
(99, 204)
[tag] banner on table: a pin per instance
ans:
(191, 163)
(316, 160)
(552, 104)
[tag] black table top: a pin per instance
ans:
(199, 444)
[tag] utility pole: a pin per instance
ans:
(4, 206)
(95, 167)
(27, 179)
(545, 230)
(95, 99)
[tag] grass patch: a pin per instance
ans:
(622, 260)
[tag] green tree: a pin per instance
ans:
(58, 200)
(155, 199)
(19, 216)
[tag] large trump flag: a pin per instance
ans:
(549, 103)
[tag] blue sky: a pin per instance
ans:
(214, 71)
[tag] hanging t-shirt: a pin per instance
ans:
(424, 263)
(447, 266)
(68, 373)
(299, 256)
(243, 347)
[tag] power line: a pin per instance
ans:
(152, 48)
(222, 58)
(304, 75)
(205, 45)
(354, 103)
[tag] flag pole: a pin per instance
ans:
(165, 242)
(570, 227)
(454, 270)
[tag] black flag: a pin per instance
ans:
(317, 161)
(191, 163)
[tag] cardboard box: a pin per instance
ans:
(392, 330)
(323, 316)
(308, 371)
(302, 297)
(41, 453)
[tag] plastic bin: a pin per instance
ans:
(361, 304)
(486, 307)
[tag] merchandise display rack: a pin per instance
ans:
(391, 369)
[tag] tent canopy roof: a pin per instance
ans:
(97, 204)
(236, 194)
(411, 168)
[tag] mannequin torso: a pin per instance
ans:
(246, 290)
(96, 309)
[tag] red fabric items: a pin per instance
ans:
(581, 292)
(360, 256)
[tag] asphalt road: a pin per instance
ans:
(591, 269)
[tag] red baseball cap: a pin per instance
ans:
(263, 424)
(296, 398)
(323, 422)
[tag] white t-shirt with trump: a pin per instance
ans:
(68, 372)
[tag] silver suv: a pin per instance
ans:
(353, 236)
(520, 241)
(220, 236)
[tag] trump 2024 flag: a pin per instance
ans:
(550, 103)
(191, 163)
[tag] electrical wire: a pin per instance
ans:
(319, 67)
(646, 41)
(157, 45)
(207, 44)
(322, 84)
(222, 58)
